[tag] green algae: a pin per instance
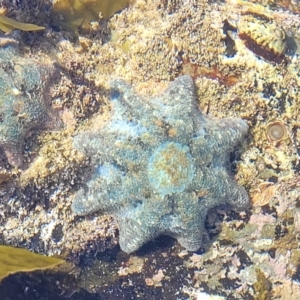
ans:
(14, 260)
(8, 24)
(78, 13)
(261, 286)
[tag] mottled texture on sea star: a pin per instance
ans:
(23, 103)
(160, 165)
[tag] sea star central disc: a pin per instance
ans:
(170, 168)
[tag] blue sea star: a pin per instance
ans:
(160, 165)
(23, 104)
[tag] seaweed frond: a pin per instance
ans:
(13, 260)
(8, 24)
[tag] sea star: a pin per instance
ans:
(23, 104)
(160, 165)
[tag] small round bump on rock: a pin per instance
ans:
(276, 131)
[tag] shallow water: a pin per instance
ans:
(245, 255)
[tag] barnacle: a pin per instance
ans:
(8, 24)
(276, 131)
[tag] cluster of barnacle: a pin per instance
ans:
(170, 5)
(165, 61)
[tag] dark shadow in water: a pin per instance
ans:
(38, 285)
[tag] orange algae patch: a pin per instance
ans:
(14, 260)
(196, 71)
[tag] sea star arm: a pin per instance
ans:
(218, 188)
(219, 136)
(125, 99)
(109, 190)
(182, 219)
(142, 223)
(175, 108)
(100, 193)
(186, 223)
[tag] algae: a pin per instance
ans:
(78, 13)
(14, 260)
(261, 286)
(8, 24)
